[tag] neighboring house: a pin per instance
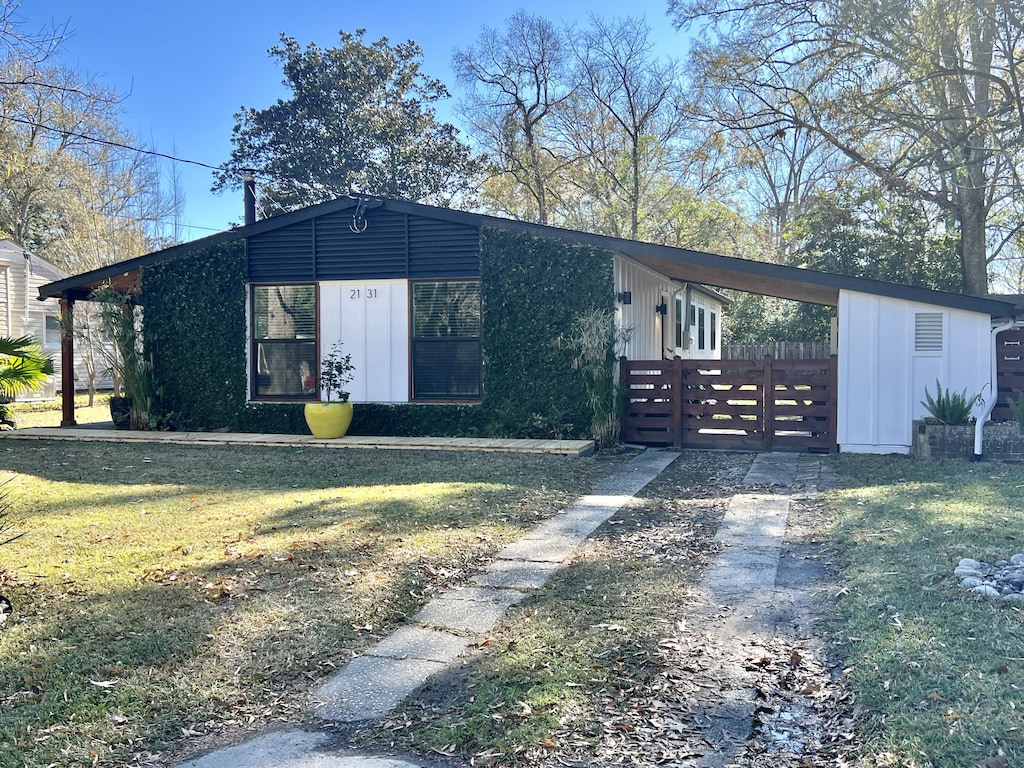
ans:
(453, 319)
(21, 314)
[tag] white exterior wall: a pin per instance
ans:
(371, 320)
(21, 313)
(650, 338)
(882, 379)
(653, 334)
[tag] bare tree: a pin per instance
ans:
(923, 94)
(515, 79)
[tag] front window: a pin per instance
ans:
(284, 342)
(446, 340)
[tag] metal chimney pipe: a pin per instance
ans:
(249, 184)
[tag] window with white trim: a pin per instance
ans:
(284, 360)
(51, 337)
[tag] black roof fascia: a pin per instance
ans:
(634, 248)
(59, 287)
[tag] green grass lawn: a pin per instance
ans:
(168, 593)
(170, 597)
(48, 413)
(937, 671)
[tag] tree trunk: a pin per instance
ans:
(973, 248)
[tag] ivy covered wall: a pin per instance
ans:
(531, 288)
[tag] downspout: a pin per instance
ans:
(989, 405)
(28, 290)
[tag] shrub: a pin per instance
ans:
(947, 406)
(1017, 408)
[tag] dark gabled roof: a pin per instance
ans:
(677, 263)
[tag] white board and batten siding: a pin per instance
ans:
(371, 319)
(653, 335)
(890, 352)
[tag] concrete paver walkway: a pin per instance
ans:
(377, 681)
(742, 578)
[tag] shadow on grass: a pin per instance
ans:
(939, 668)
(209, 648)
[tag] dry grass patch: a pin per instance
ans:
(169, 596)
(48, 413)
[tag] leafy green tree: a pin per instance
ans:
(925, 95)
(360, 118)
(865, 234)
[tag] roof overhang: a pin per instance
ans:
(675, 263)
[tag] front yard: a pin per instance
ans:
(164, 592)
(168, 599)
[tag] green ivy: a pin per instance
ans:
(531, 289)
(194, 325)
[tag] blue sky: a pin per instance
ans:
(186, 67)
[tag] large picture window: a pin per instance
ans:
(446, 340)
(284, 342)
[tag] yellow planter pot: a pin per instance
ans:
(328, 420)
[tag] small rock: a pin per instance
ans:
(963, 572)
(971, 582)
(1014, 597)
(968, 562)
(1002, 563)
(1017, 559)
(986, 590)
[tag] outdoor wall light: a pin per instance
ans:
(662, 309)
(624, 297)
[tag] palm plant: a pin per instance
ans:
(23, 367)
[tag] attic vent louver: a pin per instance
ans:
(928, 332)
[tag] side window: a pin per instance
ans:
(284, 357)
(52, 335)
(700, 328)
(679, 322)
(713, 343)
(446, 325)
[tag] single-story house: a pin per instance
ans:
(453, 319)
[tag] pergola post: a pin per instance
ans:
(67, 362)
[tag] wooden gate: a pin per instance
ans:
(758, 405)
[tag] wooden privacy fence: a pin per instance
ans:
(759, 405)
(1009, 371)
(786, 350)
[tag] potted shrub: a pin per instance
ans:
(330, 418)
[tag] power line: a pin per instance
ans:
(107, 142)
